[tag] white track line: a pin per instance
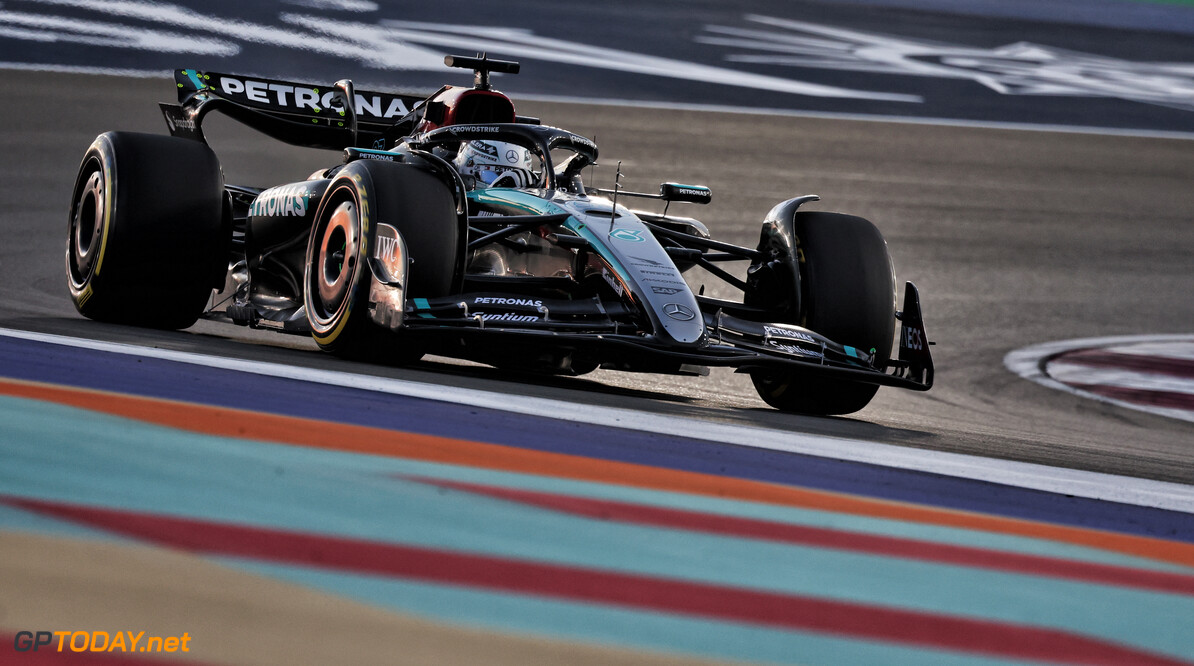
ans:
(1095, 485)
(1182, 350)
(1030, 363)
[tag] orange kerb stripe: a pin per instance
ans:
(227, 422)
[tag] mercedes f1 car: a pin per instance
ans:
(454, 226)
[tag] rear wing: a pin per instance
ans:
(301, 114)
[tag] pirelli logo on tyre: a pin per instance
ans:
(84, 296)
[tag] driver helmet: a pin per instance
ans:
(495, 164)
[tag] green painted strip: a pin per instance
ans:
(60, 430)
(610, 625)
(788, 515)
(103, 460)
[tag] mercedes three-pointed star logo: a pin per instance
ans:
(679, 312)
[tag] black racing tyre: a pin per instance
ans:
(848, 295)
(363, 195)
(148, 236)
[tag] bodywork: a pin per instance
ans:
(557, 278)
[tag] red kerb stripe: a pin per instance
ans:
(1157, 365)
(607, 587)
(828, 538)
(1166, 399)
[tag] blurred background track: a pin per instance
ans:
(1014, 237)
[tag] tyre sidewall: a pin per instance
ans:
(331, 333)
(421, 208)
(848, 281)
(164, 234)
(847, 293)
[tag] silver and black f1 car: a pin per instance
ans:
(410, 247)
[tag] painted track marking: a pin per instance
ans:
(610, 562)
(1148, 373)
(1079, 483)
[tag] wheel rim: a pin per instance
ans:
(335, 264)
(87, 225)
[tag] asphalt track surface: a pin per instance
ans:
(1014, 238)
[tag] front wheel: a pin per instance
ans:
(847, 294)
(362, 196)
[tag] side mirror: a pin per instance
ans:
(697, 194)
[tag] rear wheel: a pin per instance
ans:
(148, 237)
(848, 295)
(363, 195)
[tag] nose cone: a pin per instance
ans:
(628, 244)
(681, 319)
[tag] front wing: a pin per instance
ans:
(590, 327)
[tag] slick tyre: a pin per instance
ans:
(148, 232)
(337, 280)
(848, 295)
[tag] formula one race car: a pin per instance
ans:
(455, 227)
